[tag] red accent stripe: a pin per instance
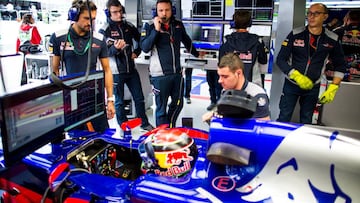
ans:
(200, 97)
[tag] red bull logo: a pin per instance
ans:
(175, 170)
(246, 57)
(352, 36)
(175, 158)
(299, 43)
(174, 152)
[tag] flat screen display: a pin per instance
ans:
(35, 117)
(30, 119)
(205, 35)
(263, 3)
(262, 14)
(254, 3)
(201, 8)
(84, 103)
(243, 3)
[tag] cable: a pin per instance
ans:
(45, 194)
(2, 77)
(80, 170)
(177, 108)
(62, 192)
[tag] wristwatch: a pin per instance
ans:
(111, 99)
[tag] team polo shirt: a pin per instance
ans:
(76, 49)
(259, 94)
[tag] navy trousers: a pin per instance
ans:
(164, 87)
(307, 100)
(133, 82)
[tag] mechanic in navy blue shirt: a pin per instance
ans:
(120, 35)
(74, 43)
(309, 48)
(249, 46)
(162, 39)
(231, 77)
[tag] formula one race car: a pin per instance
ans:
(238, 160)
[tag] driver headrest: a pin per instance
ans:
(236, 104)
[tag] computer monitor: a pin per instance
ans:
(244, 3)
(261, 10)
(35, 117)
(208, 36)
(263, 3)
(84, 103)
(29, 120)
(201, 8)
(253, 3)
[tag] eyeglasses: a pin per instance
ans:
(115, 12)
(315, 14)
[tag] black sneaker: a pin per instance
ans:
(188, 100)
(148, 127)
(211, 106)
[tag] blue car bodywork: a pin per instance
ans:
(283, 163)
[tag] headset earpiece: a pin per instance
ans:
(74, 13)
(154, 11)
(123, 9)
(108, 14)
(232, 24)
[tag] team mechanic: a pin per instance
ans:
(163, 39)
(308, 49)
(123, 47)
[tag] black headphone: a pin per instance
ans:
(233, 25)
(154, 10)
(74, 11)
(107, 10)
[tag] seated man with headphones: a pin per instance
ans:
(70, 47)
(120, 35)
(163, 39)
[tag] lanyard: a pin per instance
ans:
(78, 52)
